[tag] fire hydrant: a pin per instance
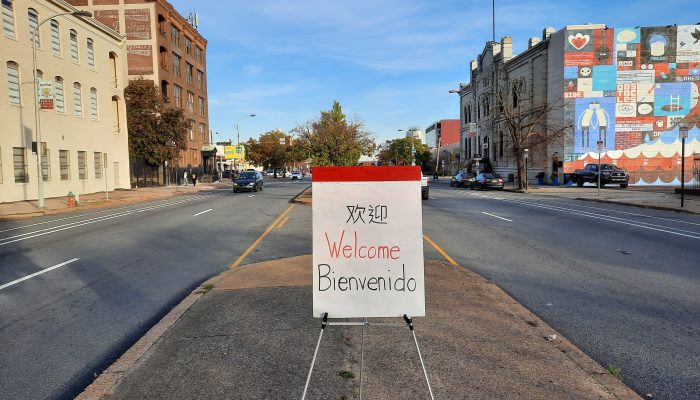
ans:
(71, 199)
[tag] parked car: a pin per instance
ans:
(462, 179)
(487, 180)
(424, 188)
(251, 181)
(609, 173)
(296, 175)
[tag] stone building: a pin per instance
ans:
(82, 139)
(166, 48)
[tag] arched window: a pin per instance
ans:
(55, 38)
(515, 95)
(115, 115)
(113, 68)
(74, 46)
(8, 18)
(93, 104)
(33, 16)
(77, 100)
(13, 85)
(469, 113)
(464, 113)
(164, 90)
(91, 53)
(59, 100)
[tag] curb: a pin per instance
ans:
(296, 199)
(680, 210)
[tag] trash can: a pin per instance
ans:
(555, 181)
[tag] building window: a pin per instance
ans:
(113, 67)
(115, 116)
(200, 79)
(500, 146)
(77, 100)
(74, 47)
(164, 91)
(189, 71)
(203, 132)
(176, 64)
(190, 101)
(515, 96)
(45, 162)
(8, 18)
(98, 165)
(175, 35)
(91, 53)
(190, 125)
(55, 38)
(93, 104)
(164, 58)
(201, 106)
(188, 45)
(33, 24)
(199, 54)
(13, 84)
(64, 163)
(19, 160)
(82, 165)
(177, 95)
(59, 99)
(193, 156)
(161, 25)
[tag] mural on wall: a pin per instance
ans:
(630, 88)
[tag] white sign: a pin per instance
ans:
(367, 242)
(472, 129)
(683, 133)
(601, 147)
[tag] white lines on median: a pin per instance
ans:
(205, 211)
(43, 271)
(496, 216)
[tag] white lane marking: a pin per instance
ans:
(205, 211)
(90, 220)
(52, 230)
(434, 198)
(252, 195)
(496, 216)
(43, 271)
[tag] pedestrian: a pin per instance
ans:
(185, 178)
(194, 179)
(435, 175)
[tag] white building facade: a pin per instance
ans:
(83, 139)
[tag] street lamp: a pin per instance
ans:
(527, 151)
(37, 123)
(238, 133)
(683, 133)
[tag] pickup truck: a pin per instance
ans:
(424, 190)
(609, 174)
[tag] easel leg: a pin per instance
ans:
(362, 356)
(313, 361)
(409, 322)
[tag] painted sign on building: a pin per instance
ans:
(629, 88)
(367, 242)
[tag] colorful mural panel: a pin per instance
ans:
(630, 88)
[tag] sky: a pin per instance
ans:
(389, 63)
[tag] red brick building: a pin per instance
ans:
(166, 48)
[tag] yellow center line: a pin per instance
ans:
(279, 226)
(252, 247)
(441, 251)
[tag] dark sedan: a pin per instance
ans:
(487, 180)
(251, 181)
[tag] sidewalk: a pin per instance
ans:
(248, 334)
(57, 205)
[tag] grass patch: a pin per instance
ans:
(205, 288)
(347, 374)
(615, 371)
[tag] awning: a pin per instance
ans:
(208, 149)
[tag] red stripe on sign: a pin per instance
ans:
(365, 174)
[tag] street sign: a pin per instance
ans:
(683, 132)
(367, 242)
(46, 95)
(234, 152)
(601, 148)
(472, 129)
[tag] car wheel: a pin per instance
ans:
(481, 186)
(579, 182)
(471, 186)
(452, 184)
(255, 188)
(261, 187)
(623, 185)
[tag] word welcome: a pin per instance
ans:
(354, 250)
(327, 280)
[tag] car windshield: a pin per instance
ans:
(490, 176)
(606, 166)
(247, 175)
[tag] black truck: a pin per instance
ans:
(610, 174)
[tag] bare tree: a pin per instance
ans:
(526, 121)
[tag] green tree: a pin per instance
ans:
(153, 126)
(405, 151)
(269, 151)
(332, 140)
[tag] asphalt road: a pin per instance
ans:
(77, 290)
(622, 283)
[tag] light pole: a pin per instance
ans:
(527, 151)
(37, 123)
(238, 134)
(683, 133)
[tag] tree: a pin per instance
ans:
(153, 126)
(332, 140)
(405, 151)
(526, 121)
(270, 151)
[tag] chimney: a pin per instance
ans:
(507, 48)
(532, 42)
(547, 32)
